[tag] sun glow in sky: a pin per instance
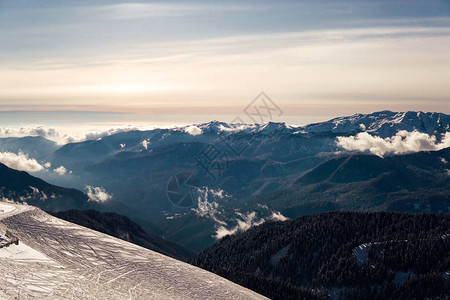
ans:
(193, 61)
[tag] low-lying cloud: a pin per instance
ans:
(67, 135)
(193, 130)
(145, 144)
(209, 206)
(95, 134)
(244, 223)
(402, 142)
(31, 130)
(97, 194)
(277, 216)
(20, 161)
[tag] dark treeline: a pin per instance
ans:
(405, 256)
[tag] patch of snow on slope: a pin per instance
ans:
(22, 252)
(4, 208)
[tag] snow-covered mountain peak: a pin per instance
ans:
(384, 123)
(271, 127)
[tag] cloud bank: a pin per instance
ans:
(402, 142)
(31, 130)
(20, 161)
(68, 135)
(97, 194)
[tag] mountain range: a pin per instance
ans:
(292, 170)
(243, 160)
(346, 185)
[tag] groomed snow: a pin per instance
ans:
(5, 208)
(56, 259)
(22, 252)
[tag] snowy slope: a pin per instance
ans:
(384, 123)
(57, 259)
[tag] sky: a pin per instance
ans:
(72, 63)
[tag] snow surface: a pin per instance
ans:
(56, 259)
(6, 208)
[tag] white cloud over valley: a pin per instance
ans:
(244, 223)
(209, 206)
(402, 142)
(145, 144)
(97, 194)
(277, 216)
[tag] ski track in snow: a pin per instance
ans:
(56, 259)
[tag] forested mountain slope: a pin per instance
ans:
(353, 255)
(417, 182)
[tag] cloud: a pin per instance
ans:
(20, 162)
(248, 221)
(208, 206)
(61, 170)
(65, 135)
(277, 216)
(402, 142)
(236, 127)
(31, 130)
(219, 193)
(193, 130)
(150, 10)
(97, 194)
(209, 209)
(122, 146)
(443, 160)
(94, 134)
(264, 206)
(222, 232)
(328, 62)
(244, 223)
(35, 190)
(145, 144)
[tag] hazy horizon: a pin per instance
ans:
(194, 61)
